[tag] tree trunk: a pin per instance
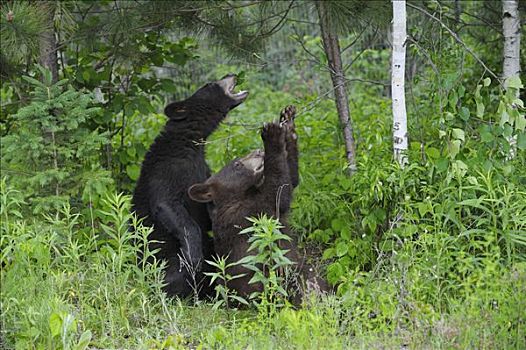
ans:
(48, 59)
(398, 83)
(512, 38)
(511, 63)
(331, 46)
(48, 43)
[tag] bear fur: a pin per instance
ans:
(259, 183)
(174, 162)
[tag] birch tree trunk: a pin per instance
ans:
(511, 53)
(332, 50)
(398, 83)
(512, 39)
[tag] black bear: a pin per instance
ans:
(259, 183)
(174, 162)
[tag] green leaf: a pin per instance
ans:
(131, 151)
(521, 141)
(341, 249)
(85, 75)
(461, 91)
(514, 82)
(485, 134)
(168, 85)
(520, 122)
(337, 224)
(453, 99)
(454, 148)
(424, 208)
(486, 82)
(328, 253)
(33, 81)
(442, 164)
(507, 169)
(55, 324)
(247, 259)
(345, 182)
(239, 299)
(84, 340)
(472, 180)
(504, 118)
(345, 233)
(459, 134)
(464, 113)
(480, 109)
(335, 272)
(133, 171)
(157, 59)
(432, 152)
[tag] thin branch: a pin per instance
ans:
(302, 21)
(433, 66)
(355, 40)
(368, 81)
(300, 41)
(280, 23)
(346, 68)
(456, 37)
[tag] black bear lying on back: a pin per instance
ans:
(175, 161)
(259, 183)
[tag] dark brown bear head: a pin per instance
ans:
(236, 178)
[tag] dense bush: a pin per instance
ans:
(52, 151)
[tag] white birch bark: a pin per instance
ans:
(511, 63)
(398, 83)
(512, 38)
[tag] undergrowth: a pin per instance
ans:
(429, 256)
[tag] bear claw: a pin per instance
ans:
(288, 114)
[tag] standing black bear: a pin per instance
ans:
(175, 161)
(259, 183)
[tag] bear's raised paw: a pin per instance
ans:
(273, 134)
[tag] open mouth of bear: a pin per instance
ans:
(254, 161)
(228, 84)
(260, 167)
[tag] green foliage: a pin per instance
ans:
(21, 25)
(54, 148)
(63, 284)
(221, 277)
(267, 260)
(353, 14)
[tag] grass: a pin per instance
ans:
(429, 257)
(63, 288)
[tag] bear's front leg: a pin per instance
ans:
(277, 186)
(288, 114)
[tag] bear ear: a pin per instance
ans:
(176, 111)
(202, 193)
